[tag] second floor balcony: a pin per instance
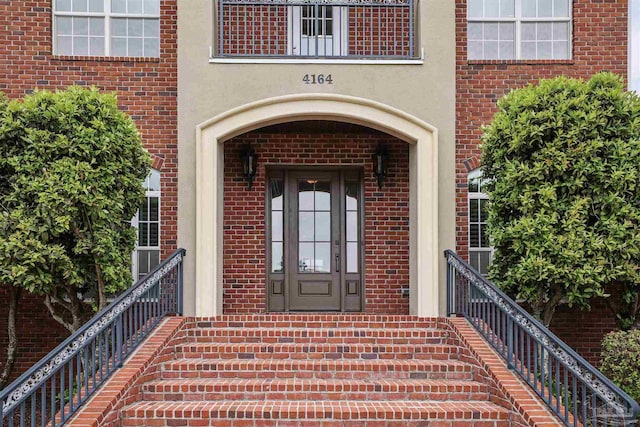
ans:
(317, 29)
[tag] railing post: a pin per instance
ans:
(119, 340)
(180, 308)
(509, 342)
(449, 290)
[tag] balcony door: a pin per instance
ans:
(315, 241)
(316, 30)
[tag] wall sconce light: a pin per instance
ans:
(380, 164)
(249, 164)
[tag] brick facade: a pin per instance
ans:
(319, 143)
(146, 89)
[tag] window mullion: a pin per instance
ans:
(517, 41)
(107, 27)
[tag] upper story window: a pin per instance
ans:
(107, 27)
(518, 29)
(480, 250)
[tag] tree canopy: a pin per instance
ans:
(562, 163)
(71, 171)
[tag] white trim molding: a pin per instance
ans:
(421, 137)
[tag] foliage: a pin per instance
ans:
(621, 360)
(72, 167)
(562, 161)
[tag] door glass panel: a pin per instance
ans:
(314, 226)
(323, 258)
(276, 188)
(351, 226)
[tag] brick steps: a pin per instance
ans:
(313, 389)
(317, 351)
(254, 413)
(321, 369)
(393, 336)
(316, 370)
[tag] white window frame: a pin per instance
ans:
(476, 195)
(107, 15)
(135, 222)
(517, 19)
(634, 45)
(339, 42)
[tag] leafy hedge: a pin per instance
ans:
(621, 360)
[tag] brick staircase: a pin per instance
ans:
(316, 370)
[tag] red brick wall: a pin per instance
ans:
(386, 211)
(37, 332)
(599, 43)
(146, 88)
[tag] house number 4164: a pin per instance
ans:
(317, 79)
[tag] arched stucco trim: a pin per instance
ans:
(423, 164)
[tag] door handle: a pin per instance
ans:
(337, 263)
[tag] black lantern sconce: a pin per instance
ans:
(380, 164)
(249, 164)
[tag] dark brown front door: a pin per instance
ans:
(315, 241)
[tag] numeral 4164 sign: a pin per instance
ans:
(317, 79)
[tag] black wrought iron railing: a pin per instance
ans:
(51, 391)
(572, 388)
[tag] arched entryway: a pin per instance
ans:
(422, 176)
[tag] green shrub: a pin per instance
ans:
(621, 360)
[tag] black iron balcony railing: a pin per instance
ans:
(572, 388)
(51, 391)
(334, 29)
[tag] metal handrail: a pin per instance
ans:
(573, 389)
(51, 391)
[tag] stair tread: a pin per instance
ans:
(269, 383)
(352, 409)
(402, 364)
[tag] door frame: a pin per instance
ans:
(285, 171)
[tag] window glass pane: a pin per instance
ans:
(474, 236)
(305, 195)
(96, 5)
(560, 31)
(507, 32)
(491, 31)
(528, 31)
(507, 50)
(528, 50)
(491, 50)
(507, 8)
(561, 8)
(143, 263)
(144, 211)
(474, 31)
(323, 257)
(154, 234)
(323, 227)
(119, 6)
(305, 226)
(277, 233)
(305, 257)
(64, 26)
(154, 210)
(134, 6)
(81, 45)
(154, 259)
(545, 8)
(544, 31)
(560, 50)
(277, 259)
(323, 196)
(352, 196)
(473, 210)
(118, 46)
(474, 50)
(277, 189)
(484, 259)
(484, 236)
(134, 27)
(528, 8)
(352, 226)
(134, 47)
(80, 26)
(474, 8)
(544, 50)
(154, 180)
(151, 47)
(64, 45)
(152, 7)
(96, 46)
(96, 27)
(152, 28)
(473, 185)
(484, 204)
(79, 5)
(143, 234)
(63, 5)
(352, 257)
(119, 27)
